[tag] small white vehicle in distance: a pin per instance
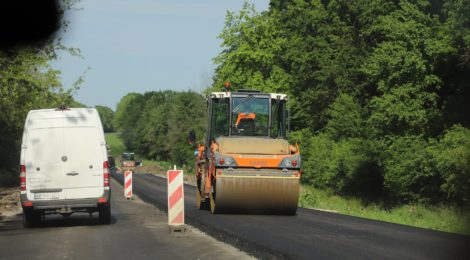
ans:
(64, 165)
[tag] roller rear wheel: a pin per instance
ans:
(212, 198)
(201, 204)
(213, 206)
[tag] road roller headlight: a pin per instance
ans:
(224, 161)
(291, 162)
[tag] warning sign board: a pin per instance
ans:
(175, 198)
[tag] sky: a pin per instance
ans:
(142, 45)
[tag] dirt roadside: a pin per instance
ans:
(9, 202)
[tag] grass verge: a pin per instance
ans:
(441, 218)
(115, 143)
(149, 166)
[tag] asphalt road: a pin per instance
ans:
(138, 231)
(311, 234)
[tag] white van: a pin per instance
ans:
(64, 165)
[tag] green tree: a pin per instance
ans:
(402, 66)
(156, 124)
(410, 171)
(130, 119)
(106, 116)
(345, 118)
(153, 126)
(452, 155)
(455, 69)
(253, 44)
(188, 113)
(119, 119)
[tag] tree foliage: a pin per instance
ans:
(106, 116)
(119, 115)
(156, 124)
(452, 155)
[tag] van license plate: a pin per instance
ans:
(46, 195)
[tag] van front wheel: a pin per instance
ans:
(105, 213)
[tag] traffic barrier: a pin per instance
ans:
(128, 184)
(175, 200)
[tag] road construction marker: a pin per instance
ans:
(128, 184)
(175, 200)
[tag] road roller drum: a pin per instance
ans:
(274, 193)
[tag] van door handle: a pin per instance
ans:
(72, 173)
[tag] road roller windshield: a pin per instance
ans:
(248, 114)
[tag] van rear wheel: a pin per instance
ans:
(31, 218)
(105, 213)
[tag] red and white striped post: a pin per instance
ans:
(128, 184)
(175, 200)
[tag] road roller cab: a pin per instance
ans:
(246, 163)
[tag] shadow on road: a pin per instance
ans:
(72, 221)
(53, 221)
(11, 223)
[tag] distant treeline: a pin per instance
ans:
(379, 91)
(156, 124)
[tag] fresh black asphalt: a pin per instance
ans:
(311, 234)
